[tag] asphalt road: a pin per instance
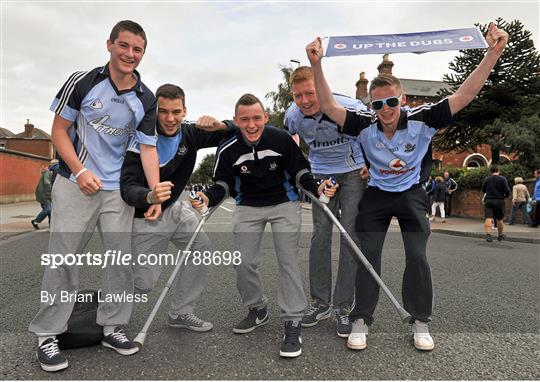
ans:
(485, 322)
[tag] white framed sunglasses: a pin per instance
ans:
(392, 102)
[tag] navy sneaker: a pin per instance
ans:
(343, 325)
(49, 356)
(292, 340)
(118, 341)
(315, 313)
(255, 318)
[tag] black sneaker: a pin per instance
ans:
(489, 239)
(189, 321)
(119, 342)
(292, 340)
(343, 325)
(315, 313)
(256, 317)
(49, 356)
(501, 237)
(34, 224)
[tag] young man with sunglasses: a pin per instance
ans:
(397, 144)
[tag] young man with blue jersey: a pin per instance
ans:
(396, 142)
(96, 113)
(337, 155)
(260, 167)
(177, 145)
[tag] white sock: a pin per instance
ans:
(108, 329)
(44, 338)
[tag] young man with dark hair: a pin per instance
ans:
(96, 113)
(260, 167)
(177, 143)
(397, 144)
(495, 189)
(451, 187)
(331, 154)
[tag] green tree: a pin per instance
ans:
(203, 174)
(510, 90)
(281, 99)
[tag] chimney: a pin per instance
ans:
(385, 67)
(361, 87)
(28, 129)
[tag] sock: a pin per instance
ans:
(108, 329)
(42, 339)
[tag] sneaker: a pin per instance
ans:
(35, 225)
(343, 325)
(422, 339)
(189, 321)
(316, 313)
(292, 340)
(443, 221)
(358, 337)
(119, 342)
(489, 239)
(49, 356)
(256, 317)
(432, 219)
(501, 237)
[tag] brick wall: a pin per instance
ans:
(19, 175)
(40, 147)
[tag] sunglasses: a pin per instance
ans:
(392, 102)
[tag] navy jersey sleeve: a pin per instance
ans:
(205, 139)
(436, 115)
(356, 121)
(67, 102)
(133, 187)
(146, 130)
(223, 178)
(298, 166)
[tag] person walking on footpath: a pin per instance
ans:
(520, 197)
(439, 194)
(536, 200)
(43, 193)
(261, 167)
(396, 177)
(451, 187)
(96, 114)
(331, 154)
(495, 189)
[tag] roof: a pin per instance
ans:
(5, 133)
(36, 134)
(424, 88)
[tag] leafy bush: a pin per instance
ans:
(473, 179)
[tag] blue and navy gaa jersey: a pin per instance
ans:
(104, 121)
(330, 152)
(405, 160)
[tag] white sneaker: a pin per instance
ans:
(422, 339)
(357, 339)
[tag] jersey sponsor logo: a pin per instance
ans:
(397, 164)
(244, 169)
(99, 125)
(96, 104)
(397, 167)
(182, 150)
(338, 141)
(273, 166)
(409, 147)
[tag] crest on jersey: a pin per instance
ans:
(96, 104)
(182, 150)
(409, 147)
(273, 166)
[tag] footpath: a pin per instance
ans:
(15, 220)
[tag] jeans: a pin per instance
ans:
(44, 213)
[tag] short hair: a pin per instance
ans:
(300, 74)
(494, 168)
(247, 100)
(130, 26)
(383, 80)
(518, 180)
(170, 91)
(439, 179)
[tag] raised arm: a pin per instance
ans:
(497, 40)
(327, 102)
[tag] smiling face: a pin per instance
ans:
(305, 97)
(171, 113)
(251, 120)
(388, 116)
(126, 51)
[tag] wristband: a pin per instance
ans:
(150, 197)
(80, 172)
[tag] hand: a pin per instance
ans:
(364, 173)
(153, 212)
(208, 123)
(161, 192)
(327, 188)
(496, 39)
(198, 204)
(88, 183)
(314, 51)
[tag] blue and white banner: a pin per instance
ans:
(453, 39)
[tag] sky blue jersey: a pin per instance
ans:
(330, 152)
(104, 121)
(405, 160)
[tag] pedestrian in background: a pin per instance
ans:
(496, 189)
(536, 200)
(451, 187)
(520, 196)
(439, 196)
(43, 193)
